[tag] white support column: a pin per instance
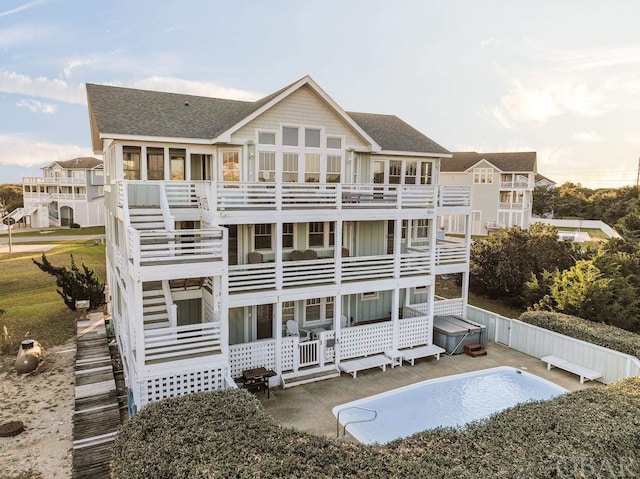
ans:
(465, 275)
(397, 247)
(143, 163)
(167, 164)
(338, 252)
(138, 322)
(395, 306)
(278, 325)
(278, 259)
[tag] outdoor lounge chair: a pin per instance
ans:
(294, 330)
(254, 257)
(310, 254)
(297, 255)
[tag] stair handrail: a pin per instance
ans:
(344, 427)
(169, 219)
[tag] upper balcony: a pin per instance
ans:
(224, 197)
(505, 205)
(517, 183)
(53, 180)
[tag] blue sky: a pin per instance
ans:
(558, 77)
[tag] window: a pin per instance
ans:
(230, 166)
(421, 290)
(290, 167)
(319, 310)
(334, 163)
(316, 234)
(289, 136)
(482, 175)
(78, 174)
(267, 166)
(332, 234)
(177, 163)
(155, 163)
(426, 172)
(395, 172)
(410, 173)
(368, 296)
(287, 235)
(262, 237)
(334, 142)
(311, 138)
(312, 168)
(422, 228)
(266, 138)
(288, 311)
(131, 162)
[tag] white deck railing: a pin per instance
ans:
(150, 248)
(181, 342)
(61, 180)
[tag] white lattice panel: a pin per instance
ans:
(365, 340)
(173, 385)
(448, 307)
(252, 355)
(286, 354)
(415, 331)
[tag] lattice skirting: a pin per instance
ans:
(178, 384)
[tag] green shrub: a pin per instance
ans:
(597, 333)
(227, 434)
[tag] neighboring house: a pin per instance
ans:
(544, 181)
(235, 228)
(501, 189)
(67, 192)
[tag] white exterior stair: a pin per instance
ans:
(144, 219)
(154, 307)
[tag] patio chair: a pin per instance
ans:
(310, 254)
(297, 255)
(254, 257)
(345, 252)
(294, 330)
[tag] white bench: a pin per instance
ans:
(410, 355)
(584, 373)
(352, 366)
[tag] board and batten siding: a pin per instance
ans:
(304, 108)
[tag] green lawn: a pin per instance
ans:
(91, 230)
(28, 296)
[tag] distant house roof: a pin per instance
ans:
(393, 134)
(130, 112)
(544, 180)
(515, 162)
(80, 163)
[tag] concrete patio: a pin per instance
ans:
(308, 407)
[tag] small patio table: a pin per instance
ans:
(257, 378)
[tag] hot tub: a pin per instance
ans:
(453, 333)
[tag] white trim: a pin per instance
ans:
(475, 165)
(412, 153)
(159, 139)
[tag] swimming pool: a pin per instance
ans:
(448, 401)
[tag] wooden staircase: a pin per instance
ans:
(474, 350)
(146, 219)
(154, 306)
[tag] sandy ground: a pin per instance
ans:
(44, 402)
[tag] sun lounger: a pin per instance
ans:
(352, 366)
(410, 355)
(584, 373)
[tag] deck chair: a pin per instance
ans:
(254, 257)
(297, 255)
(345, 252)
(310, 254)
(294, 330)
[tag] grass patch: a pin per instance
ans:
(59, 231)
(28, 296)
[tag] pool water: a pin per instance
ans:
(449, 401)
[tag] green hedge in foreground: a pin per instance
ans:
(597, 333)
(590, 433)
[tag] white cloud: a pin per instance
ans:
(191, 87)
(23, 151)
(42, 87)
(20, 34)
(36, 106)
(587, 136)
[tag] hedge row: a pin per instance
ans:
(590, 433)
(597, 333)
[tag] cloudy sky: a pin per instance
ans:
(558, 77)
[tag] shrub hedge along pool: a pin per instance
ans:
(589, 433)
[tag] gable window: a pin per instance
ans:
(287, 235)
(131, 162)
(482, 175)
(334, 162)
(267, 166)
(289, 136)
(334, 142)
(312, 168)
(262, 237)
(266, 138)
(316, 234)
(155, 163)
(311, 138)
(290, 167)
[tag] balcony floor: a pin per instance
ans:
(308, 407)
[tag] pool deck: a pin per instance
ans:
(308, 407)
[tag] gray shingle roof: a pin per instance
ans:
(516, 162)
(128, 111)
(83, 163)
(393, 134)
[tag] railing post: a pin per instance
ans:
(296, 354)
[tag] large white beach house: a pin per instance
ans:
(284, 233)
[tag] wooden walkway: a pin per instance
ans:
(96, 418)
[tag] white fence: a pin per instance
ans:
(539, 342)
(591, 224)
